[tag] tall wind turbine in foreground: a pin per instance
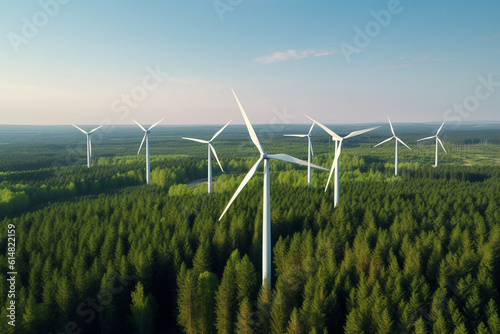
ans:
(437, 141)
(210, 147)
(146, 138)
(310, 152)
(338, 148)
(89, 143)
(266, 204)
(396, 140)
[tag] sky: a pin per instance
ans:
(343, 61)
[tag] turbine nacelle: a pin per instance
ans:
(89, 141)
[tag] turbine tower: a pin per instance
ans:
(266, 204)
(338, 148)
(146, 138)
(396, 139)
(210, 148)
(310, 152)
(89, 143)
(437, 141)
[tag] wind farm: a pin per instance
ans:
(396, 140)
(89, 143)
(146, 139)
(249, 167)
(338, 148)
(310, 152)
(438, 141)
(266, 201)
(211, 150)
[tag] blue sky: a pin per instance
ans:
(88, 62)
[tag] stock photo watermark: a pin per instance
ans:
(131, 100)
(372, 29)
(31, 26)
(277, 123)
(88, 309)
(471, 103)
(120, 107)
(223, 6)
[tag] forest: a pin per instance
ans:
(99, 251)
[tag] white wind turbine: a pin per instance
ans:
(146, 138)
(89, 143)
(266, 204)
(310, 152)
(437, 141)
(210, 148)
(396, 140)
(338, 148)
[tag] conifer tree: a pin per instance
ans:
(205, 301)
(226, 297)
(246, 279)
(294, 325)
(244, 324)
(279, 313)
(31, 315)
(143, 310)
(264, 303)
(187, 301)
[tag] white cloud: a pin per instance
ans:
(292, 54)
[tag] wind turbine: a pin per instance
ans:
(396, 140)
(210, 147)
(437, 141)
(310, 152)
(266, 204)
(146, 138)
(89, 143)
(338, 148)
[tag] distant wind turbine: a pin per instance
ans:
(310, 152)
(338, 148)
(396, 140)
(437, 141)
(266, 204)
(210, 148)
(89, 143)
(146, 138)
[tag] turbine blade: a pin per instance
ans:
(331, 173)
(334, 164)
(251, 131)
(289, 158)
(197, 140)
(392, 129)
(440, 128)
(247, 178)
(80, 129)
(427, 138)
(218, 132)
(144, 138)
(312, 152)
(152, 126)
(439, 140)
(399, 140)
(139, 125)
(310, 130)
(90, 144)
(330, 132)
(216, 157)
(360, 132)
(300, 136)
(100, 126)
(385, 141)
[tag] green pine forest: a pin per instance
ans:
(99, 251)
